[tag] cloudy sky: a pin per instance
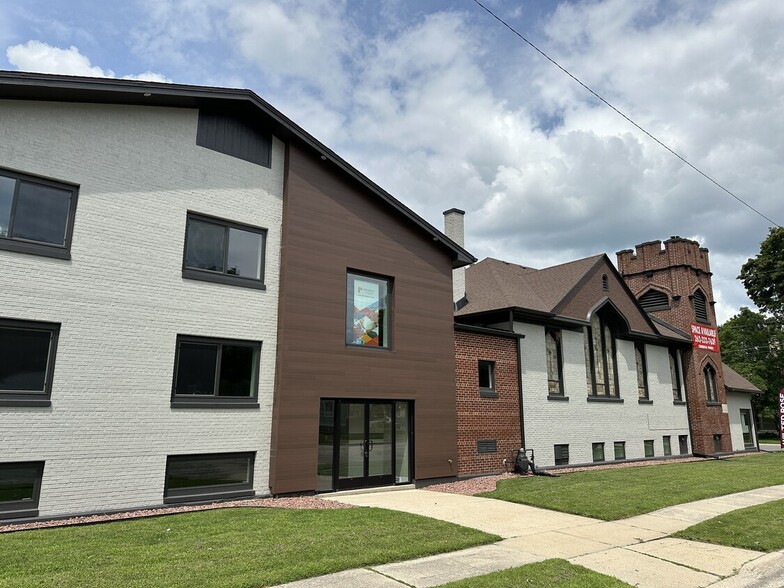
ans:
(443, 106)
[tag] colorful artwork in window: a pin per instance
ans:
(368, 313)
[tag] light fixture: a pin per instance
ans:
(147, 94)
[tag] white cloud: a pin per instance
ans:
(39, 57)
(36, 56)
(308, 40)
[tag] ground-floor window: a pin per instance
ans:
(648, 444)
(683, 444)
(667, 446)
(20, 487)
(561, 454)
(208, 476)
(598, 451)
(620, 449)
(364, 443)
(717, 443)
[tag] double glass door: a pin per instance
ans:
(363, 443)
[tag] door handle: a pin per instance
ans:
(370, 445)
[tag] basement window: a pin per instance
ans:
(208, 477)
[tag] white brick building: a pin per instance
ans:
(108, 420)
(599, 380)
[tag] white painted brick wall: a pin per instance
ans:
(121, 300)
(735, 402)
(580, 423)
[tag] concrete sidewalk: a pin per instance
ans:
(635, 550)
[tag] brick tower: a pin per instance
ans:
(673, 282)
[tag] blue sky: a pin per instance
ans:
(442, 106)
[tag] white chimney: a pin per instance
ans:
(454, 228)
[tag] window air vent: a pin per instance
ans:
(487, 446)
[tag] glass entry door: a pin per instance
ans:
(363, 443)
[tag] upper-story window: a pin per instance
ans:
(711, 391)
(605, 282)
(368, 306)
(601, 365)
(700, 307)
(222, 251)
(642, 371)
(554, 362)
(215, 372)
(675, 376)
(27, 352)
(486, 376)
(36, 215)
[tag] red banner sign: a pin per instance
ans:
(704, 337)
(781, 416)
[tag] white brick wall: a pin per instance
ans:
(735, 402)
(580, 423)
(121, 299)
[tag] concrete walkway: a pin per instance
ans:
(635, 550)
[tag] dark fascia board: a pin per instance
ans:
(60, 88)
(659, 321)
(488, 331)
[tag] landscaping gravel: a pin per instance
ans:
(307, 502)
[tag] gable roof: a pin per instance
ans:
(734, 382)
(566, 292)
(493, 284)
(60, 88)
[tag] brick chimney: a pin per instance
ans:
(454, 228)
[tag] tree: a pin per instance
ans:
(763, 275)
(753, 345)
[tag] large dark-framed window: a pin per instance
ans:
(667, 445)
(213, 373)
(601, 359)
(554, 352)
(597, 449)
(20, 489)
(683, 444)
(27, 355)
(648, 447)
(211, 476)
(223, 251)
(368, 310)
(711, 392)
(36, 214)
(642, 372)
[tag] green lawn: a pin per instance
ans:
(758, 527)
(769, 441)
(551, 573)
(239, 547)
(620, 493)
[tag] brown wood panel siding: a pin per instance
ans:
(331, 225)
(233, 135)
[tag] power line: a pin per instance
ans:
(602, 99)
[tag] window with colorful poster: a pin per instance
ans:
(367, 310)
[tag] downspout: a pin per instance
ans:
(520, 387)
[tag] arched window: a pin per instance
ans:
(601, 365)
(642, 371)
(654, 300)
(700, 307)
(675, 376)
(711, 391)
(605, 282)
(554, 362)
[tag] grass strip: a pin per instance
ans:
(551, 573)
(624, 492)
(759, 527)
(240, 547)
